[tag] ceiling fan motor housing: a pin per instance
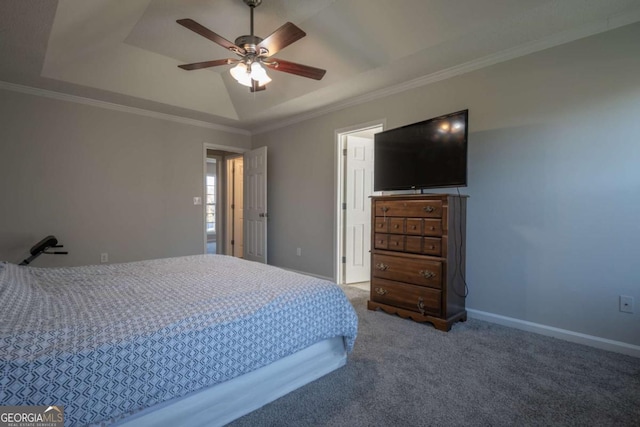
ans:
(249, 44)
(253, 3)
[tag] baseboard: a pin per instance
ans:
(576, 337)
(309, 274)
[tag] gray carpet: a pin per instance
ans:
(402, 373)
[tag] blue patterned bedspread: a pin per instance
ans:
(109, 340)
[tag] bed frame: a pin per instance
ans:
(223, 403)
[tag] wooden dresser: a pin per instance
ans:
(418, 257)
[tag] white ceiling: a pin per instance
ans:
(127, 52)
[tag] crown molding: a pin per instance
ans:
(119, 107)
(502, 56)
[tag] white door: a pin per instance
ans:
(255, 205)
(359, 186)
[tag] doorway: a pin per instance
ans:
(239, 204)
(354, 188)
(217, 207)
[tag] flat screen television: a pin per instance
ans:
(428, 154)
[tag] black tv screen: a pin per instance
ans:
(428, 154)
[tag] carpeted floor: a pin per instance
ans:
(402, 373)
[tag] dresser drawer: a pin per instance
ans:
(409, 208)
(432, 246)
(413, 244)
(381, 241)
(414, 298)
(414, 226)
(381, 225)
(396, 225)
(409, 270)
(432, 227)
(396, 242)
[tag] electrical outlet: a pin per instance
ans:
(197, 200)
(299, 252)
(104, 257)
(626, 304)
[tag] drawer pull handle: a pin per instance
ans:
(413, 227)
(427, 274)
(384, 209)
(381, 291)
(429, 209)
(421, 305)
(382, 267)
(395, 225)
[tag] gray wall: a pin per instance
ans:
(554, 180)
(100, 180)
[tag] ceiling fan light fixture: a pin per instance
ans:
(259, 74)
(241, 73)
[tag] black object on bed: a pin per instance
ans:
(41, 248)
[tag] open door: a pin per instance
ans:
(354, 184)
(359, 186)
(255, 205)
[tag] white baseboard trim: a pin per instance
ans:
(563, 334)
(308, 274)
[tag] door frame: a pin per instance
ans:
(212, 146)
(217, 160)
(229, 200)
(339, 191)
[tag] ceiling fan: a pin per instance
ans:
(254, 52)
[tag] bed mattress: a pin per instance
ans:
(106, 341)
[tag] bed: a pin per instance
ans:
(197, 340)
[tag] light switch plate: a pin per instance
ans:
(197, 200)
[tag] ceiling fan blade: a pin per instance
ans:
(297, 69)
(207, 64)
(255, 88)
(207, 33)
(281, 38)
